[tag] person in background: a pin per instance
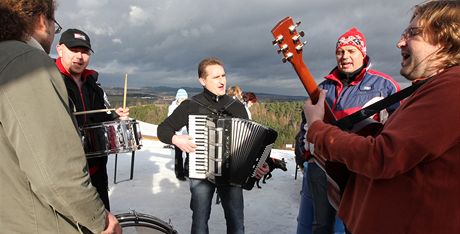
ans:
(305, 215)
(350, 86)
(214, 102)
(44, 177)
(74, 52)
(405, 178)
(249, 98)
(181, 95)
(235, 92)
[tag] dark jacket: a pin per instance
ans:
(90, 97)
(205, 103)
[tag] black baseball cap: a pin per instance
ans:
(75, 38)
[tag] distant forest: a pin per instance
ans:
(284, 117)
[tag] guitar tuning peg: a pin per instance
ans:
(283, 48)
(293, 27)
(278, 40)
(299, 47)
(296, 38)
(287, 57)
(302, 33)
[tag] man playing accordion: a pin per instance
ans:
(212, 102)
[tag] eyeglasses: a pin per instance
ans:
(411, 32)
(57, 27)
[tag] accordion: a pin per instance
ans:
(229, 150)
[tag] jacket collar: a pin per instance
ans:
(84, 76)
(334, 74)
(34, 43)
(211, 96)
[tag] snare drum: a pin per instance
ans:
(135, 222)
(111, 137)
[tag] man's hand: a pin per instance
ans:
(184, 142)
(123, 113)
(314, 112)
(113, 227)
(261, 171)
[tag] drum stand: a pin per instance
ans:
(132, 168)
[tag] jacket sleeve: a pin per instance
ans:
(302, 153)
(35, 116)
(174, 122)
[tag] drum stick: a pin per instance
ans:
(124, 94)
(92, 111)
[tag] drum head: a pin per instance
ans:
(138, 223)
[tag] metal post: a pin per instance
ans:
(132, 165)
(115, 171)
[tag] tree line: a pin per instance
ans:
(283, 117)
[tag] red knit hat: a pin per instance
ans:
(355, 38)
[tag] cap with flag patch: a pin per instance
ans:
(75, 38)
(354, 38)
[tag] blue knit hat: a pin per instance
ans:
(181, 93)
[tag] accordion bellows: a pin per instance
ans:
(229, 150)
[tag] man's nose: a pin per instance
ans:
(401, 42)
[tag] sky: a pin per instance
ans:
(160, 43)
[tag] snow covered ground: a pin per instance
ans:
(154, 190)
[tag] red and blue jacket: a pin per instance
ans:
(369, 86)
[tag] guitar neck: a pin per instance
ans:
(312, 89)
(288, 40)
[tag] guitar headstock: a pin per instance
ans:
(288, 40)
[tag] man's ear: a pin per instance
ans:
(42, 23)
(59, 50)
(202, 81)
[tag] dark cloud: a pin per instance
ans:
(161, 42)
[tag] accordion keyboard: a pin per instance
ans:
(198, 160)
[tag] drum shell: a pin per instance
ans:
(111, 137)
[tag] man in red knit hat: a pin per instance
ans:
(350, 86)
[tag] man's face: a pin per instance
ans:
(215, 80)
(416, 53)
(75, 60)
(349, 59)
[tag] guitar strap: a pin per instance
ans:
(346, 123)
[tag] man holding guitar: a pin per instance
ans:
(405, 178)
(350, 86)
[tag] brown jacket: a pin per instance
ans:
(44, 182)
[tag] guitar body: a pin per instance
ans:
(287, 38)
(337, 173)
